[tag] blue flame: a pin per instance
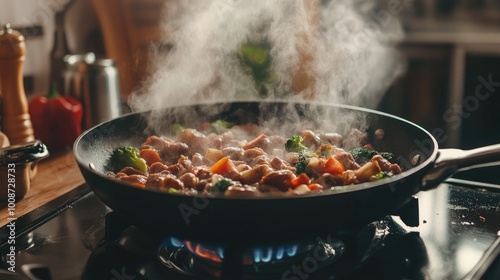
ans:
(257, 255)
(279, 253)
(292, 250)
(269, 255)
(260, 255)
(220, 252)
(176, 242)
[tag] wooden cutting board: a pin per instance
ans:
(57, 175)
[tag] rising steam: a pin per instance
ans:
(333, 51)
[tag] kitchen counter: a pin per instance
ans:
(57, 175)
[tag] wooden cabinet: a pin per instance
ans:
(451, 81)
(129, 29)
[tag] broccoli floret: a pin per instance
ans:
(294, 144)
(126, 157)
(221, 186)
(388, 156)
(300, 167)
(220, 126)
(326, 150)
(362, 155)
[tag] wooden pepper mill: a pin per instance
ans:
(15, 119)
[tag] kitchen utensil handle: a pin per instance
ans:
(449, 161)
(15, 119)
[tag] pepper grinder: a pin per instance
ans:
(15, 119)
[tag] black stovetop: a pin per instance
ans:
(457, 225)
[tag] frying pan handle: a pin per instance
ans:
(449, 161)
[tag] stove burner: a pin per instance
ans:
(192, 258)
(131, 250)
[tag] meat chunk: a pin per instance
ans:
(250, 154)
(347, 160)
(131, 171)
(280, 179)
(197, 159)
(386, 166)
(158, 167)
(311, 139)
(189, 180)
(177, 169)
(155, 180)
(136, 179)
(328, 180)
(169, 150)
(170, 181)
(331, 138)
(234, 153)
(278, 164)
(195, 140)
(241, 191)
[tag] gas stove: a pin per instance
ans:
(446, 233)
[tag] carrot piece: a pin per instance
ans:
(150, 156)
(257, 142)
(223, 166)
(139, 185)
(333, 166)
(301, 179)
(315, 187)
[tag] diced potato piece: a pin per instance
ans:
(255, 174)
(300, 190)
(213, 155)
(368, 170)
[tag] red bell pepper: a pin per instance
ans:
(56, 120)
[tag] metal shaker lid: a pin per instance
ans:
(5, 29)
(89, 59)
(23, 153)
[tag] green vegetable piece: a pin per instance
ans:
(126, 157)
(294, 144)
(172, 190)
(380, 175)
(302, 164)
(176, 128)
(221, 126)
(388, 156)
(221, 186)
(255, 55)
(362, 155)
(256, 59)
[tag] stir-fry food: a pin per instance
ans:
(221, 159)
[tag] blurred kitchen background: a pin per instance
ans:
(452, 47)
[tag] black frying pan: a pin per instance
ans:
(235, 219)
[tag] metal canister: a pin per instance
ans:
(94, 82)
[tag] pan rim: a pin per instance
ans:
(337, 190)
